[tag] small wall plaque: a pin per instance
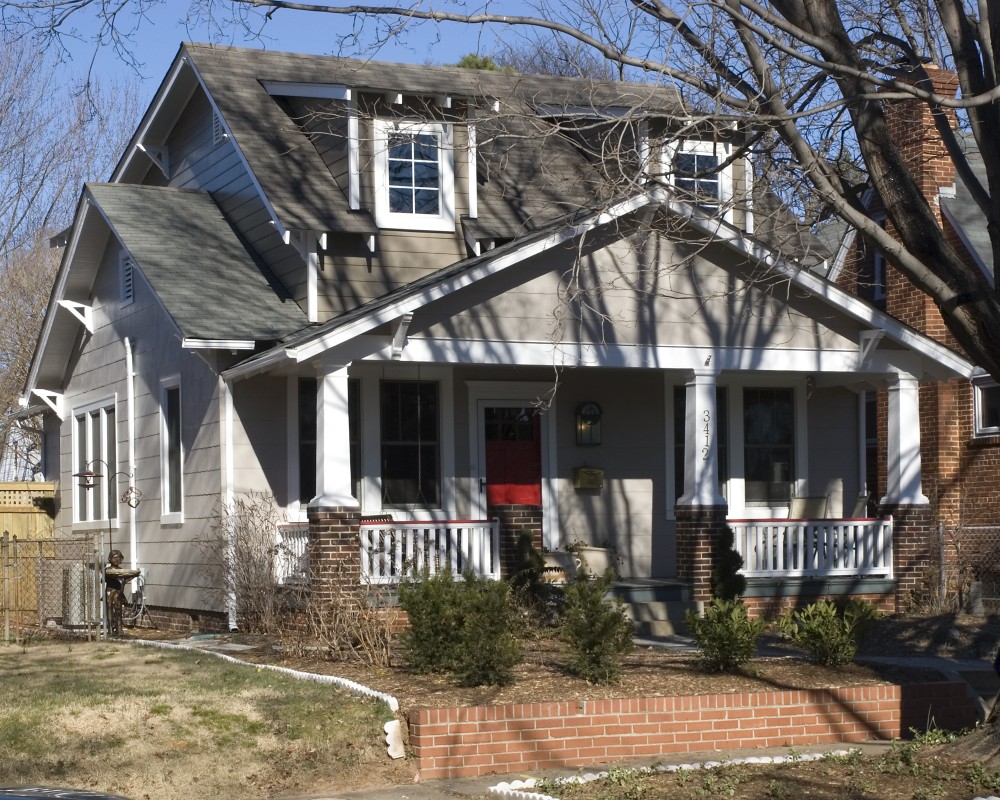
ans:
(588, 478)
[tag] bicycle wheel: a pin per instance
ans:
(133, 605)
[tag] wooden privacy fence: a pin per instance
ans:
(23, 509)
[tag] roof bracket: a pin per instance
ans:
(867, 342)
(160, 155)
(53, 400)
(471, 242)
(400, 326)
(82, 312)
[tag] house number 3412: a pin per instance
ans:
(707, 430)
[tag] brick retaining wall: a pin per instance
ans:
(478, 740)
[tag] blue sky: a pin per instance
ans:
(161, 30)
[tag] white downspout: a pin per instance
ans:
(133, 539)
(227, 499)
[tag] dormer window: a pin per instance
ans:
(414, 176)
(697, 172)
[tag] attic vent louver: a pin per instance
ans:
(127, 269)
(218, 130)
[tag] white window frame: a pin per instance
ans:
(126, 278)
(981, 385)
(384, 218)
(170, 516)
(97, 514)
(722, 151)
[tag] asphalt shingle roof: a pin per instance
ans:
(967, 214)
(196, 263)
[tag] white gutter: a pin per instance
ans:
(133, 539)
(228, 494)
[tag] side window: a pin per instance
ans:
(414, 176)
(768, 444)
(411, 458)
(95, 449)
(987, 402)
(171, 454)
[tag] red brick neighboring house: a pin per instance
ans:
(960, 419)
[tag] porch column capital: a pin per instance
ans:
(333, 441)
(701, 451)
(903, 484)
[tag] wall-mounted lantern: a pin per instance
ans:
(588, 423)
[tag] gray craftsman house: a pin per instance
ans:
(426, 309)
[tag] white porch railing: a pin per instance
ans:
(291, 561)
(391, 550)
(811, 548)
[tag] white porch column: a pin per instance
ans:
(903, 444)
(333, 441)
(701, 452)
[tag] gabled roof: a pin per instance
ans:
(208, 281)
(966, 216)
(939, 361)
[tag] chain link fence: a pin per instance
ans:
(50, 582)
(976, 568)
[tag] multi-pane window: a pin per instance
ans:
(414, 172)
(697, 176)
(987, 408)
(768, 444)
(95, 445)
(721, 440)
(171, 450)
(410, 448)
(414, 176)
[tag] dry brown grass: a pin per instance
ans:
(149, 723)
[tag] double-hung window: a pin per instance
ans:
(411, 452)
(95, 449)
(171, 454)
(987, 410)
(414, 176)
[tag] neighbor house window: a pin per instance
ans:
(308, 388)
(414, 180)
(171, 453)
(987, 403)
(721, 440)
(95, 448)
(411, 462)
(768, 444)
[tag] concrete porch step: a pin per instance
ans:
(656, 608)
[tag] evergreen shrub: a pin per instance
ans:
(726, 635)
(828, 632)
(595, 628)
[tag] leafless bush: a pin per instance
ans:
(353, 621)
(240, 558)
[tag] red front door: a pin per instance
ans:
(513, 455)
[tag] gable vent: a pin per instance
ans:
(218, 129)
(127, 266)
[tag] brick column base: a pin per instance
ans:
(912, 539)
(698, 527)
(333, 551)
(514, 520)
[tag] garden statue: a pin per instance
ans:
(115, 578)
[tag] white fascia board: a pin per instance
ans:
(218, 344)
(320, 91)
(134, 146)
(83, 210)
(843, 251)
(409, 303)
(963, 237)
(825, 290)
